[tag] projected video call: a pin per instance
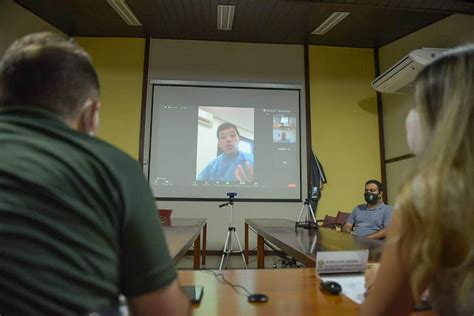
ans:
(225, 144)
(207, 141)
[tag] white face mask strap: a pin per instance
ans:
(95, 120)
(414, 131)
(96, 124)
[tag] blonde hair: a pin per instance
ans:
(437, 200)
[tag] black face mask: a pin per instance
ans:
(371, 198)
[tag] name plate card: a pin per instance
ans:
(341, 261)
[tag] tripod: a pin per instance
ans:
(228, 241)
(310, 221)
(310, 237)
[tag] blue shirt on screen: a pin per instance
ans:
(368, 221)
(222, 168)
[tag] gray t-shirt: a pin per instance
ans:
(368, 221)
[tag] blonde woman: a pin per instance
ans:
(431, 239)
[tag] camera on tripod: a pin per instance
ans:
(314, 194)
(231, 235)
(231, 196)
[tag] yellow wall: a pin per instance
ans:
(119, 63)
(15, 22)
(344, 123)
(452, 31)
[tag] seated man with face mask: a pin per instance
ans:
(371, 219)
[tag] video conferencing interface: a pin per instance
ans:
(208, 141)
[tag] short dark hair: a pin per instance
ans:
(227, 125)
(377, 183)
(48, 71)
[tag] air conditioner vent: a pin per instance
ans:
(205, 118)
(399, 78)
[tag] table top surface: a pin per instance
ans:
(304, 243)
(290, 292)
(198, 222)
(181, 234)
(180, 239)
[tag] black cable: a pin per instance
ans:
(224, 281)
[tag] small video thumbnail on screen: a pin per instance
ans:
(284, 129)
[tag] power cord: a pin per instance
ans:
(221, 278)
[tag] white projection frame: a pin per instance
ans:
(221, 84)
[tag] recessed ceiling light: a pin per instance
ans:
(122, 9)
(225, 17)
(330, 22)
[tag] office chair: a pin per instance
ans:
(327, 222)
(341, 219)
(165, 216)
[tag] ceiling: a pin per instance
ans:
(372, 23)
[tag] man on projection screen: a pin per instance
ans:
(231, 164)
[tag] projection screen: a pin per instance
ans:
(208, 139)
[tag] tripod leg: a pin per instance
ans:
(310, 211)
(312, 249)
(225, 251)
(301, 213)
(240, 249)
(229, 249)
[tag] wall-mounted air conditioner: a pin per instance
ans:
(399, 78)
(205, 118)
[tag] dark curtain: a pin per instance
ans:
(318, 179)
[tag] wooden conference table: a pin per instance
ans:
(290, 292)
(181, 233)
(302, 244)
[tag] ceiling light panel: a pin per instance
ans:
(330, 22)
(225, 17)
(122, 9)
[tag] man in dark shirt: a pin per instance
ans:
(78, 223)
